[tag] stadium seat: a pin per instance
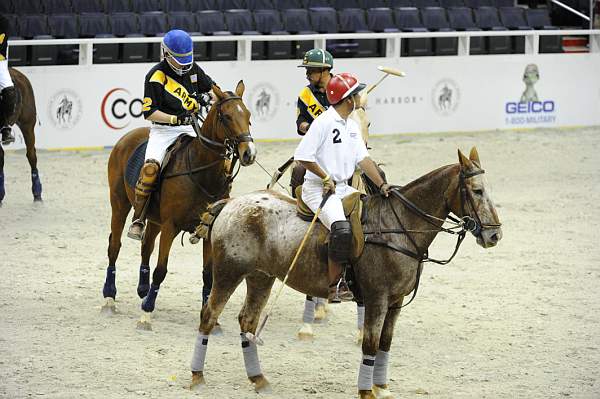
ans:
(203, 5)
(113, 6)
(434, 19)
(354, 20)
(288, 4)
(366, 4)
(540, 19)
(6, 8)
(296, 21)
(233, 5)
(126, 24)
(487, 18)
(318, 3)
(461, 19)
(13, 22)
(400, 3)
(175, 5)
(269, 22)
(97, 25)
(58, 6)
(18, 54)
(65, 26)
(142, 6)
(479, 3)
(324, 19)
(260, 5)
(27, 7)
(153, 23)
(426, 3)
(80, 6)
(408, 20)
(240, 22)
(504, 3)
(452, 3)
(381, 20)
(343, 4)
(513, 18)
(183, 20)
(212, 22)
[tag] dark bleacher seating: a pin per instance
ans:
(461, 19)
(434, 19)
(97, 25)
(381, 20)
(324, 19)
(343, 4)
(296, 21)
(540, 19)
(318, 3)
(426, 3)
(288, 4)
(452, 3)
(487, 18)
(175, 5)
(13, 25)
(6, 7)
(232, 4)
(240, 22)
(366, 4)
(203, 5)
(408, 20)
(80, 6)
(126, 24)
(268, 22)
(514, 19)
(400, 3)
(113, 6)
(479, 3)
(18, 54)
(58, 6)
(65, 26)
(187, 21)
(141, 6)
(504, 3)
(154, 23)
(261, 5)
(22, 7)
(354, 20)
(212, 22)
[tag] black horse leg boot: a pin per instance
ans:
(340, 245)
(7, 109)
(144, 187)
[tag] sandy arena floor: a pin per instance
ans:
(517, 321)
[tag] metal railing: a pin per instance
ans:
(393, 46)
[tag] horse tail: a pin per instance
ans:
(207, 220)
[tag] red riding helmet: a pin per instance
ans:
(341, 86)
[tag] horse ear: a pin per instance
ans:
(217, 90)
(464, 161)
(363, 98)
(474, 156)
(239, 89)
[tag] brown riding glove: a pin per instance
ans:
(328, 185)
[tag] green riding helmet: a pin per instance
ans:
(317, 58)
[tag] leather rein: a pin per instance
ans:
(226, 150)
(465, 224)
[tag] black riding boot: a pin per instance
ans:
(8, 103)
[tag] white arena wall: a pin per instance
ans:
(482, 93)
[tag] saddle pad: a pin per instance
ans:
(134, 164)
(353, 207)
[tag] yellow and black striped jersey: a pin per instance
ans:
(170, 93)
(311, 103)
(4, 33)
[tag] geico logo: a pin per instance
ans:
(119, 107)
(534, 107)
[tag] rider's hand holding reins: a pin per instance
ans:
(184, 118)
(384, 189)
(370, 168)
(328, 185)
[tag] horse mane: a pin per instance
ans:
(429, 176)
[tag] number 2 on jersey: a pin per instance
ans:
(336, 136)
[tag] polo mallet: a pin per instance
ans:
(388, 72)
(256, 338)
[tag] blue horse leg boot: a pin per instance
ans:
(36, 185)
(150, 300)
(144, 281)
(2, 192)
(110, 287)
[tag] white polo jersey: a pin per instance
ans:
(335, 144)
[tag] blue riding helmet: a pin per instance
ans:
(178, 46)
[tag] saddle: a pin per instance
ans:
(354, 211)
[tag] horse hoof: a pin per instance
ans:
(197, 380)
(320, 313)
(306, 333)
(217, 330)
(382, 392)
(261, 385)
(358, 336)
(366, 395)
(145, 322)
(38, 199)
(109, 308)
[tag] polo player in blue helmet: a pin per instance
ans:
(174, 89)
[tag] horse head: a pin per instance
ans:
(232, 123)
(472, 201)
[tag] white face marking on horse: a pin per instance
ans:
(240, 109)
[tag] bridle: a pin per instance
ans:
(226, 150)
(461, 226)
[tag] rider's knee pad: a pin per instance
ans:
(148, 175)
(340, 241)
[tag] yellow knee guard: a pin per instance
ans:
(147, 181)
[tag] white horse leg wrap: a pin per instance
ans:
(360, 316)
(309, 312)
(250, 357)
(365, 373)
(320, 301)
(199, 352)
(381, 367)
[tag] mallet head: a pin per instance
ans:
(391, 71)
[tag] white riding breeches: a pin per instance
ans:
(5, 80)
(161, 137)
(333, 210)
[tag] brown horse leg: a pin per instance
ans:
(375, 313)
(152, 231)
(257, 294)
(380, 380)
(29, 137)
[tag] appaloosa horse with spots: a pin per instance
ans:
(255, 238)
(197, 175)
(25, 117)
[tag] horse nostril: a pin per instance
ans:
(494, 237)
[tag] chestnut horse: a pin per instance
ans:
(193, 178)
(24, 117)
(256, 236)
